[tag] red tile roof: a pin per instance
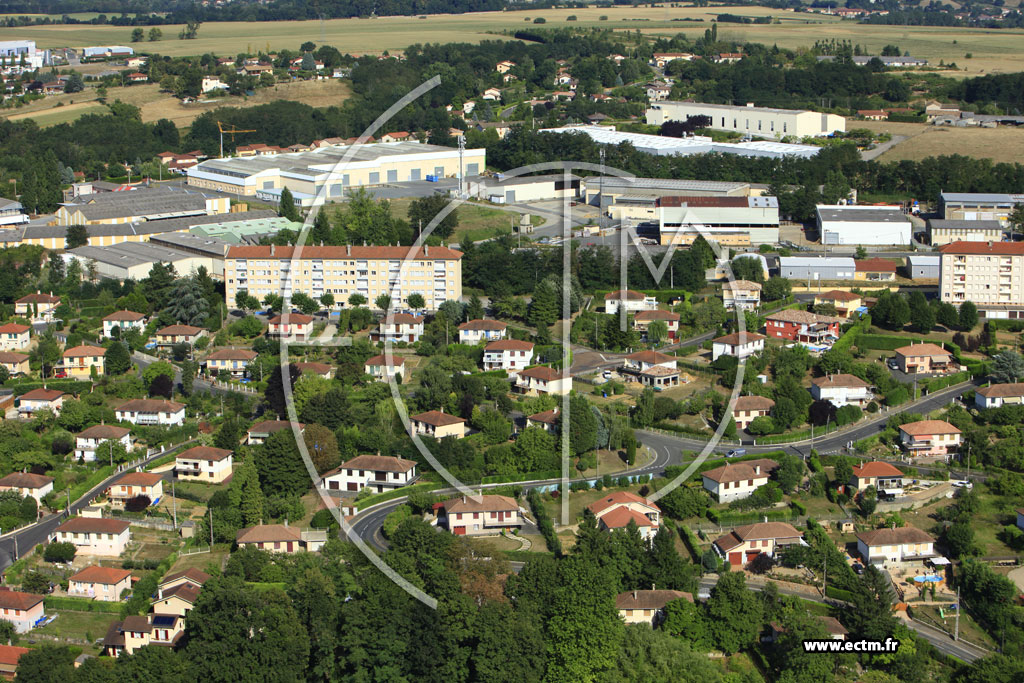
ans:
(139, 479)
(18, 600)
(42, 394)
(102, 431)
(625, 294)
(483, 325)
(150, 405)
(437, 418)
(1000, 248)
(876, 468)
(208, 453)
(737, 338)
(652, 357)
(194, 575)
(746, 403)
(233, 354)
(724, 202)
(482, 503)
(840, 380)
(925, 349)
(1002, 390)
(187, 330)
(38, 298)
(84, 351)
(94, 574)
(760, 531)
(268, 427)
(382, 463)
(25, 480)
(509, 345)
(14, 328)
(838, 295)
(647, 316)
(875, 265)
(546, 417)
(619, 498)
(619, 518)
(11, 357)
(928, 427)
(381, 361)
(541, 372)
(741, 470)
(10, 654)
(268, 533)
(649, 599)
(293, 319)
(898, 536)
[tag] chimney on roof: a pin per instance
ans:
(348, 250)
(757, 469)
(426, 250)
(634, 595)
(766, 519)
(271, 249)
(463, 499)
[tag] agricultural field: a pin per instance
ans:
(1002, 144)
(992, 50)
(156, 105)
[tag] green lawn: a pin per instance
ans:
(78, 625)
(66, 114)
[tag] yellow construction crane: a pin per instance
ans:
(230, 131)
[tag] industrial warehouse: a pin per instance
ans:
(750, 120)
(334, 168)
(666, 146)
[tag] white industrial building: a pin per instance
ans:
(12, 52)
(750, 120)
(335, 168)
(665, 146)
(813, 268)
(842, 224)
(134, 260)
(730, 221)
(527, 188)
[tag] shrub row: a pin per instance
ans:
(74, 604)
(544, 523)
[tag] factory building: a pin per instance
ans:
(814, 268)
(730, 221)
(750, 120)
(877, 225)
(666, 146)
(971, 206)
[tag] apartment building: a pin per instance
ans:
(991, 274)
(510, 355)
(433, 272)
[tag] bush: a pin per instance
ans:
(544, 523)
(540, 20)
(59, 552)
(137, 503)
(323, 519)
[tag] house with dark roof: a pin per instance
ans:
(510, 355)
(547, 420)
(895, 546)
(643, 319)
(619, 509)
(377, 472)
(379, 368)
(41, 399)
(998, 395)
(474, 331)
(733, 481)
(478, 515)
(803, 326)
(136, 632)
(261, 431)
(748, 408)
(151, 411)
(26, 484)
(178, 334)
(38, 306)
(438, 424)
(88, 440)
(94, 535)
(647, 606)
(737, 344)
(743, 544)
(24, 610)
(15, 363)
(281, 538)
(178, 600)
(842, 390)
(191, 576)
(14, 336)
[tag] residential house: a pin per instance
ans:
(37, 306)
(398, 327)
(14, 336)
(734, 481)
(179, 334)
(378, 367)
(629, 299)
(547, 420)
(658, 92)
(742, 295)
(136, 484)
(438, 424)
(647, 606)
(41, 399)
(397, 136)
(929, 438)
(191, 577)
(504, 66)
(873, 114)
(151, 411)
(636, 363)
(660, 59)
(926, 358)
(94, 535)
(178, 600)
(803, 326)
(100, 583)
(281, 538)
(621, 508)
(542, 380)
(233, 361)
(510, 355)
(836, 631)
(998, 395)
(842, 390)
(320, 369)
(80, 361)
(203, 463)
(643, 319)
(478, 515)
(26, 484)
(727, 57)
(881, 475)
(875, 270)
(135, 632)
(895, 546)
(845, 303)
(738, 344)
(743, 544)
(23, 610)
(378, 472)
(123, 321)
(9, 657)
(474, 331)
(293, 326)
(261, 431)
(14, 363)
(747, 408)
(491, 94)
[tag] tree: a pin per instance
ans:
(356, 299)
(423, 210)
(582, 426)
(946, 315)
(776, 288)
(871, 616)
(416, 301)
(59, 552)
(161, 386)
(305, 303)
(117, 360)
(474, 308)
(47, 664)
(868, 501)
(735, 614)
(55, 273)
(77, 236)
(382, 302)
(1006, 367)
(657, 331)
(921, 314)
(959, 538)
(137, 35)
(34, 582)
(322, 447)
(280, 466)
(245, 493)
(643, 414)
(75, 83)
(968, 317)
(155, 34)
(327, 299)
(286, 207)
(188, 304)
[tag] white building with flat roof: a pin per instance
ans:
(21, 53)
(847, 224)
(666, 146)
(750, 120)
(336, 168)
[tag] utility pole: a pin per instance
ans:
(600, 203)
(462, 174)
(174, 505)
(824, 576)
(110, 447)
(211, 528)
(69, 501)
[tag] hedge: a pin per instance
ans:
(544, 523)
(82, 487)
(839, 594)
(947, 381)
(1008, 325)
(691, 542)
(726, 518)
(70, 386)
(682, 429)
(72, 604)
(853, 334)
(882, 342)
(396, 493)
(525, 476)
(800, 508)
(794, 436)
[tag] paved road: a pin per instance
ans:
(879, 150)
(40, 532)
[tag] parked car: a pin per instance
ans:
(736, 453)
(893, 365)
(60, 374)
